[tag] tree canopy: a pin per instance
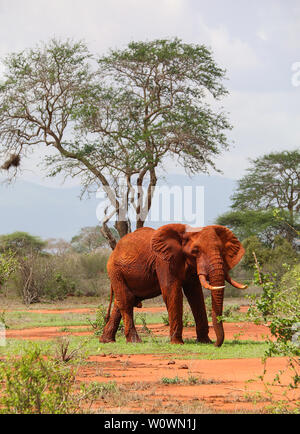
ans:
(260, 223)
(272, 181)
(114, 124)
(90, 239)
(21, 243)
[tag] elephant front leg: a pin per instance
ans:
(174, 301)
(111, 328)
(171, 289)
(194, 294)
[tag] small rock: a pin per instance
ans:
(171, 362)
(184, 367)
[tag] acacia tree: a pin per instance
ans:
(261, 223)
(272, 181)
(151, 105)
(143, 104)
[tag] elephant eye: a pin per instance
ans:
(195, 249)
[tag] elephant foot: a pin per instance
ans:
(134, 338)
(204, 340)
(106, 339)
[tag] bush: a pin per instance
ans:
(37, 383)
(33, 384)
(8, 265)
(93, 264)
(270, 259)
(58, 287)
(39, 277)
(278, 307)
(54, 277)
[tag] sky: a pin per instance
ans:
(257, 43)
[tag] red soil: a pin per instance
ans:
(227, 390)
(222, 384)
(241, 331)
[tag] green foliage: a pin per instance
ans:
(271, 259)
(38, 383)
(279, 308)
(143, 318)
(32, 384)
(273, 180)
(21, 243)
(58, 287)
(165, 319)
(144, 103)
(262, 224)
(53, 277)
(175, 380)
(89, 239)
(99, 323)
(8, 265)
(94, 263)
(187, 319)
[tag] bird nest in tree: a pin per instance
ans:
(14, 160)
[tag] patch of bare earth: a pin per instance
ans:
(202, 385)
(242, 331)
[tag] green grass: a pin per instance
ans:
(30, 319)
(22, 320)
(150, 345)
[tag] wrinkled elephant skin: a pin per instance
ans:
(175, 257)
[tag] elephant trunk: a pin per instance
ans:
(217, 278)
(216, 285)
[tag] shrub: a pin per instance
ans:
(93, 264)
(271, 259)
(58, 287)
(99, 323)
(33, 384)
(8, 265)
(278, 307)
(37, 383)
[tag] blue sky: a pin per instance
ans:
(256, 42)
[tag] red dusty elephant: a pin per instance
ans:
(175, 257)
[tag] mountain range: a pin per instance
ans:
(59, 213)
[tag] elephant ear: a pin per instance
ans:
(233, 249)
(166, 241)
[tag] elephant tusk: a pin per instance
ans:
(234, 283)
(206, 285)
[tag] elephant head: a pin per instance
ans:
(211, 251)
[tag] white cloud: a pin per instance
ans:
(263, 121)
(232, 52)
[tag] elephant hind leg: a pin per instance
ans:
(111, 327)
(125, 300)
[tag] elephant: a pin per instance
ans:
(172, 260)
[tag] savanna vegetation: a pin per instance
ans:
(112, 123)
(38, 270)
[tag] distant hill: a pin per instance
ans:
(59, 213)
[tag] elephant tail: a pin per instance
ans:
(109, 306)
